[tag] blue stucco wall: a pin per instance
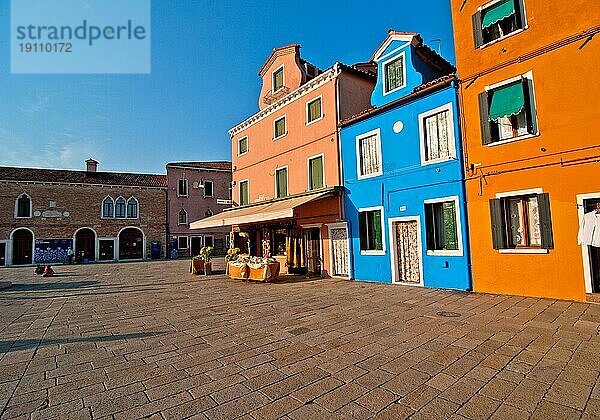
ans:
(403, 187)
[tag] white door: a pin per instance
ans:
(339, 251)
(408, 251)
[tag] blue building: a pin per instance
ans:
(403, 172)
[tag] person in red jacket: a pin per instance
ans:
(48, 272)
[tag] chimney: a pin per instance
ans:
(92, 165)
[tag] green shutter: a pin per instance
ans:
(316, 173)
(282, 183)
(377, 234)
(450, 228)
(314, 110)
(243, 193)
(362, 230)
(545, 221)
(278, 79)
(484, 116)
(497, 218)
(477, 30)
(529, 109)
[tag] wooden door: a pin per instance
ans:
(131, 244)
(22, 247)
(313, 251)
(85, 244)
(339, 248)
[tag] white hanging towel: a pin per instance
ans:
(589, 229)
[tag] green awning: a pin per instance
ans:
(507, 101)
(498, 12)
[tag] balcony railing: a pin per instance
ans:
(271, 96)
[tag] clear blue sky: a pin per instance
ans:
(205, 60)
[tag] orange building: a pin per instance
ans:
(530, 100)
(286, 164)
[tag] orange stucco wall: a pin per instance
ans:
(562, 159)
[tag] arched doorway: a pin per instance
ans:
(85, 242)
(22, 247)
(131, 244)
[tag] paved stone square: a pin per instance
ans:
(149, 340)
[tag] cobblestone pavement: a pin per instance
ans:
(149, 340)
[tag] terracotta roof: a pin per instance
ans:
(64, 176)
(419, 90)
(203, 165)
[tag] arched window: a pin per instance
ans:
(120, 207)
(183, 217)
(23, 206)
(132, 208)
(208, 213)
(108, 207)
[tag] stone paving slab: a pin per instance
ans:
(148, 340)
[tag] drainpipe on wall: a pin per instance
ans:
(338, 137)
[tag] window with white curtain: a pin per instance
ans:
(436, 129)
(368, 148)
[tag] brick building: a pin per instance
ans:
(197, 190)
(104, 216)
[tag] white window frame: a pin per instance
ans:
(322, 156)
(284, 118)
(384, 78)
(376, 132)
(451, 137)
(17, 206)
(495, 86)
(585, 250)
(454, 252)
(137, 211)
(186, 217)
(330, 227)
(519, 193)
(247, 146)
(102, 216)
(525, 23)
(187, 187)
(318, 98)
(282, 68)
(115, 208)
(287, 181)
(204, 189)
(383, 239)
(187, 242)
(240, 191)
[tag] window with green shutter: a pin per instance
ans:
(313, 110)
(394, 74)
(279, 127)
(278, 79)
(242, 146)
(441, 226)
(244, 199)
(281, 181)
(497, 21)
(315, 173)
(370, 230)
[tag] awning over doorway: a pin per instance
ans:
(272, 210)
(497, 13)
(507, 101)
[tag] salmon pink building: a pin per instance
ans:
(530, 100)
(287, 176)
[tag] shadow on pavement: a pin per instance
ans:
(31, 287)
(17, 345)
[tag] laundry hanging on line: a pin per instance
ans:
(589, 229)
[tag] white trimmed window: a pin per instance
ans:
(281, 182)
(182, 242)
(436, 129)
(279, 128)
(442, 226)
(209, 240)
(244, 193)
(394, 72)
(23, 206)
(108, 207)
(120, 208)
(314, 111)
(498, 20)
(370, 229)
(242, 146)
(368, 154)
(182, 217)
(132, 208)
(182, 188)
(278, 81)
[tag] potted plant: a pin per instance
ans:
(206, 256)
(232, 255)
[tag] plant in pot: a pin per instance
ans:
(206, 256)
(232, 255)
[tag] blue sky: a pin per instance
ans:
(205, 60)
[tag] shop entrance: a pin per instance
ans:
(22, 246)
(85, 244)
(195, 245)
(593, 206)
(313, 251)
(131, 244)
